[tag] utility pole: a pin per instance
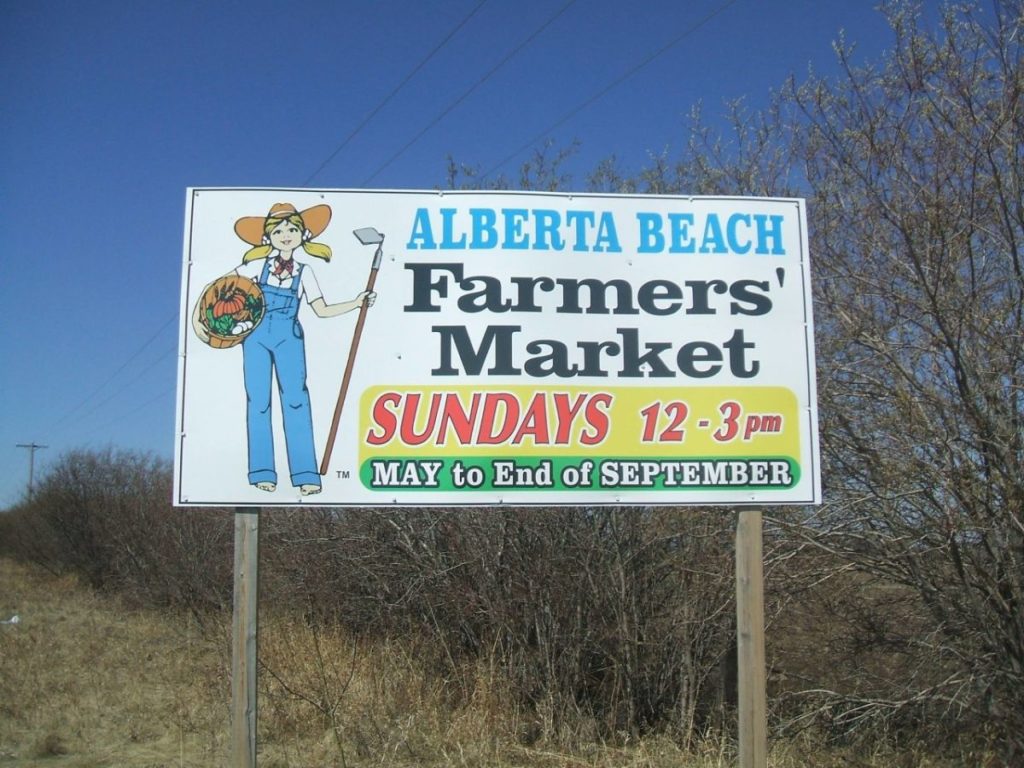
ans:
(32, 448)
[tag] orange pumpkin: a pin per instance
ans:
(228, 305)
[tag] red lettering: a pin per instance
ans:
(384, 419)
(535, 422)
(509, 416)
(456, 417)
(597, 419)
(488, 418)
(410, 412)
(566, 414)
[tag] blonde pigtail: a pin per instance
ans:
(319, 250)
(259, 252)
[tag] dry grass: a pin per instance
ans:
(85, 683)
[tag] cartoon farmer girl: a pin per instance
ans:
(275, 344)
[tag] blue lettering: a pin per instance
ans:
(774, 233)
(514, 237)
(651, 239)
(546, 235)
(485, 234)
(734, 244)
(607, 235)
(712, 236)
(422, 236)
(447, 230)
(681, 240)
(575, 219)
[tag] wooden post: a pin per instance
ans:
(753, 718)
(243, 638)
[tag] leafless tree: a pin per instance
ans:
(916, 172)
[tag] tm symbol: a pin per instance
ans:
(343, 474)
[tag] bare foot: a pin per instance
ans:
(266, 486)
(309, 490)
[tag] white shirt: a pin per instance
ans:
(308, 285)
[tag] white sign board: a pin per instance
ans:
(516, 348)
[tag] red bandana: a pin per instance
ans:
(281, 266)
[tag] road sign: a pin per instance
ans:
(480, 348)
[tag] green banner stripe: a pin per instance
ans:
(571, 473)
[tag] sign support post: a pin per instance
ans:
(753, 721)
(244, 634)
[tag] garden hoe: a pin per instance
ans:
(366, 236)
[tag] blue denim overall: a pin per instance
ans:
(276, 344)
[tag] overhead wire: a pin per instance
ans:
(348, 139)
(366, 120)
(120, 417)
(487, 76)
(444, 113)
(131, 358)
(611, 86)
(128, 382)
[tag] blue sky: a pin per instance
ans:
(111, 110)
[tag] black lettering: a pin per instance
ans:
(472, 359)
(737, 356)
(527, 298)
(633, 360)
(487, 298)
(423, 285)
(695, 352)
(659, 290)
(598, 292)
(742, 293)
(700, 288)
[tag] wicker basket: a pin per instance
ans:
(227, 288)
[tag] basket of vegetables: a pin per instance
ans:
(229, 309)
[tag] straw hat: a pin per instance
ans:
(316, 219)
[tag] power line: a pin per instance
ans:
(490, 73)
(166, 353)
(615, 83)
(472, 88)
(391, 95)
(319, 168)
(114, 375)
(119, 418)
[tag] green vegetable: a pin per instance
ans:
(255, 307)
(222, 325)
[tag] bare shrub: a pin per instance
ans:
(604, 622)
(107, 516)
